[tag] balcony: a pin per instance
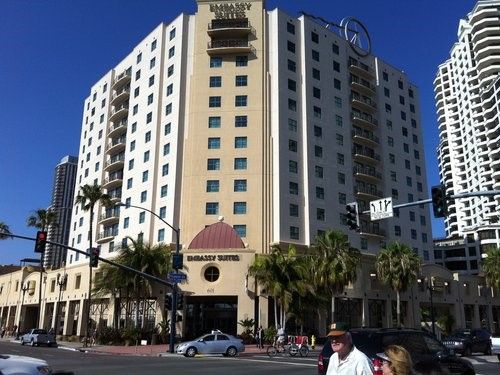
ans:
(367, 174)
(229, 46)
(362, 85)
(371, 230)
(118, 128)
(363, 103)
(120, 95)
(368, 193)
(361, 69)
(365, 137)
(115, 194)
(119, 112)
(116, 145)
(365, 156)
(364, 120)
(114, 180)
(110, 217)
(106, 235)
(229, 28)
(122, 79)
(116, 162)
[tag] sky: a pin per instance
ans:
(53, 51)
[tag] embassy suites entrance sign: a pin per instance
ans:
(230, 10)
(213, 258)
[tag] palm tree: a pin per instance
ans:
(4, 230)
(42, 219)
(490, 266)
(335, 263)
(151, 259)
(397, 266)
(88, 196)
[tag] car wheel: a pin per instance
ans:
(22, 341)
(467, 352)
(191, 351)
(231, 351)
(488, 350)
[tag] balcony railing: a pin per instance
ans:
(107, 234)
(367, 171)
(368, 191)
(364, 118)
(367, 135)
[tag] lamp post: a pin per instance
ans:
(174, 284)
(24, 288)
(428, 285)
(61, 281)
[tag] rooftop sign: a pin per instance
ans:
(230, 10)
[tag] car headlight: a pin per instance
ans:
(44, 370)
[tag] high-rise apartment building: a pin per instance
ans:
(267, 122)
(467, 89)
(62, 205)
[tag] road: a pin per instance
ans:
(94, 364)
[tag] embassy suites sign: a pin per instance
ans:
(213, 258)
(230, 10)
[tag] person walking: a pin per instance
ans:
(260, 338)
(346, 359)
(395, 361)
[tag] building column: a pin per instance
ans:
(67, 314)
(388, 315)
(476, 323)
(459, 314)
(365, 312)
(54, 315)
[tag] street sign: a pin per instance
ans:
(176, 277)
(381, 209)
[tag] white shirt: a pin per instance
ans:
(355, 363)
(281, 332)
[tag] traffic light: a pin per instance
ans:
(41, 241)
(94, 256)
(168, 302)
(177, 263)
(180, 302)
(352, 216)
(439, 204)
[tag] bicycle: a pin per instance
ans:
(275, 349)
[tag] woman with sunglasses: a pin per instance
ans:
(395, 361)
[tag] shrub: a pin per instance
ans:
(109, 336)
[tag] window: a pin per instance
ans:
(318, 151)
(136, 92)
(240, 101)
(387, 92)
(392, 158)
(337, 84)
(138, 74)
(172, 34)
(161, 235)
(400, 84)
(416, 154)
(167, 129)
(214, 143)
(212, 208)
(318, 131)
(147, 137)
(397, 230)
(131, 164)
(292, 85)
(401, 100)
(214, 101)
(240, 142)
(338, 102)
(292, 145)
(341, 178)
(336, 66)
(163, 191)
(320, 214)
(408, 181)
(149, 117)
(406, 148)
(292, 105)
(132, 146)
(240, 229)
(395, 194)
(290, 27)
(215, 81)
(212, 186)
(129, 183)
(407, 164)
(335, 49)
(293, 188)
(316, 74)
(320, 192)
(171, 52)
(151, 80)
(240, 81)
(412, 215)
(170, 71)
(138, 58)
(213, 164)
(135, 109)
(166, 149)
(292, 125)
(290, 46)
(145, 176)
(240, 185)
(152, 63)
(292, 66)
(239, 208)
(241, 60)
(342, 198)
(293, 166)
(385, 76)
(393, 176)
(403, 115)
(315, 55)
(240, 163)
(317, 112)
(144, 196)
(215, 62)
(163, 212)
(294, 233)
(318, 171)
(170, 89)
(240, 121)
(153, 45)
(294, 210)
(339, 139)
(390, 141)
(410, 93)
(214, 122)
(316, 93)
(388, 108)
(164, 169)
(415, 138)
(340, 158)
(142, 217)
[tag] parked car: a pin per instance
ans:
(495, 345)
(213, 343)
(36, 337)
(421, 346)
(468, 341)
(16, 364)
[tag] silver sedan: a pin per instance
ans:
(213, 343)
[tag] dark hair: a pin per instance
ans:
(429, 367)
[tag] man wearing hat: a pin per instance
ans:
(346, 359)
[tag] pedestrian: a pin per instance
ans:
(395, 361)
(260, 337)
(3, 332)
(346, 359)
(93, 340)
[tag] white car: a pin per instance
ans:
(495, 345)
(20, 365)
(214, 343)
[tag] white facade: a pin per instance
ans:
(466, 91)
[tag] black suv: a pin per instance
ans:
(421, 346)
(468, 341)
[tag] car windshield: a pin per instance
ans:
(39, 331)
(463, 334)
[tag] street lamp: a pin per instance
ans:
(428, 284)
(174, 283)
(24, 288)
(61, 281)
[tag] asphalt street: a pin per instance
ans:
(93, 364)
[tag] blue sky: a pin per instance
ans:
(52, 51)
